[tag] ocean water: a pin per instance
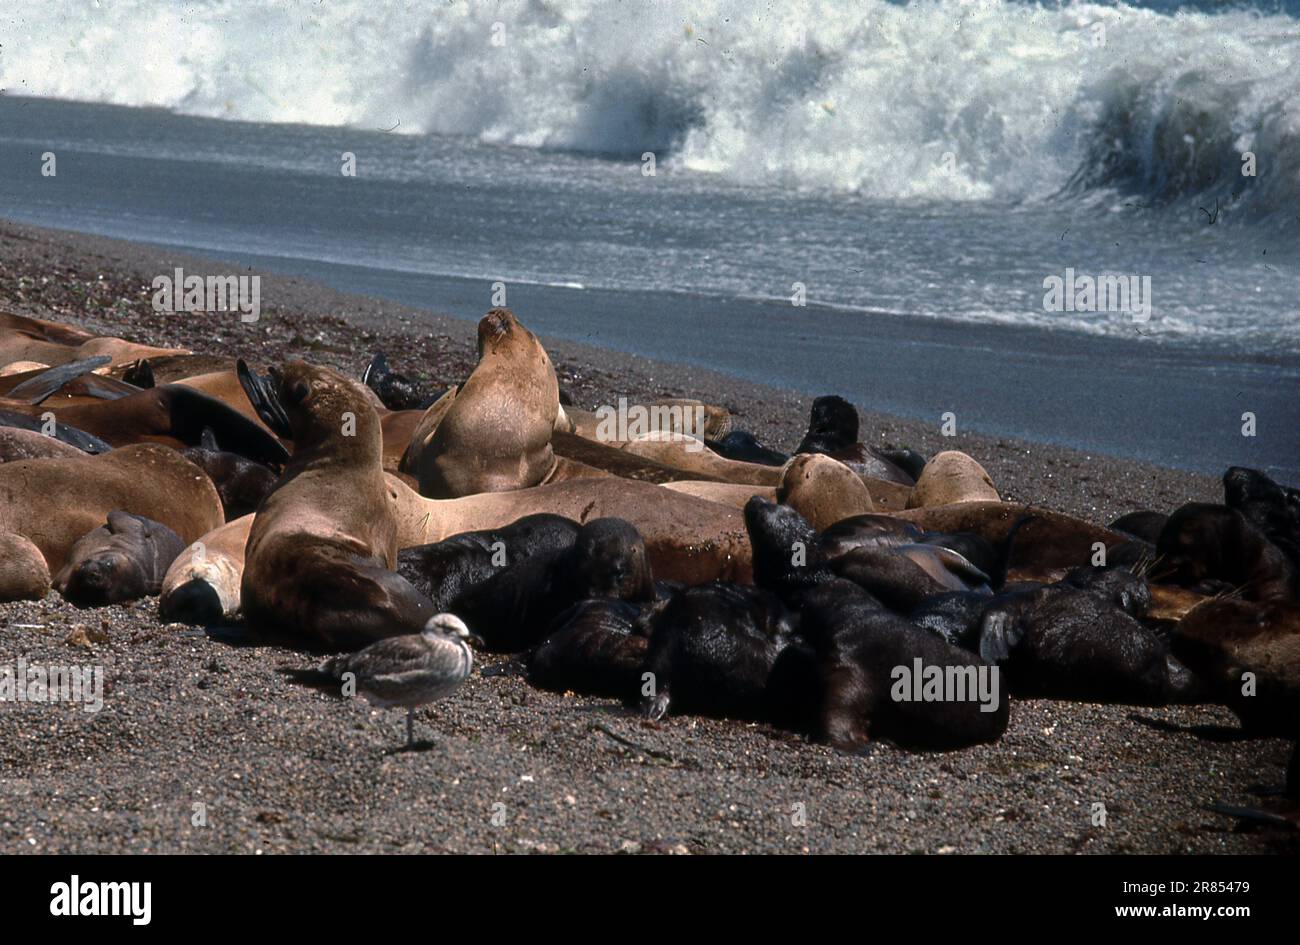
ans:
(918, 169)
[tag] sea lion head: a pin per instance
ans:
(1199, 541)
(499, 328)
(609, 560)
(833, 425)
(316, 407)
(121, 561)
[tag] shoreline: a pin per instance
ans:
(1105, 487)
(196, 717)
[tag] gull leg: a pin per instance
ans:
(410, 718)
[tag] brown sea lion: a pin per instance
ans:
(173, 415)
(495, 436)
(688, 453)
(18, 345)
(55, 501)
(1045, 539)
(318, 567)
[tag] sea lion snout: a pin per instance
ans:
(495, 324)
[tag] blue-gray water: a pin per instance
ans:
(924, 278)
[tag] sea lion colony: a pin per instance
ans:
(845, 592)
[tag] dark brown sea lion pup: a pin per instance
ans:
(241, 483)
(445, 570)
(1216, 548)
(865, 653)
(592, 648)
(318, 565)
(513, 609)
(729, 651)
(1272, 508)
(496, 434)
(833, 430)
(118, 562)
(1080, 639)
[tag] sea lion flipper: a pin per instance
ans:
(265, 400)
(86, 442)
(36, 389)
(999, 636)
(377, 368)
(193, 413)
(140, 374)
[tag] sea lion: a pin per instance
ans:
(82, 441)
(1047, 539)
(24, 575)
(1271, 508)
(495, 436)
(202, 584)
(592, 648)
(1214, 546)
(865, 652)
(241, 483)
(1079, 639)
(318, 565)
(173, 415)
(1144, 525)
(730, 651)
(952, 477)
(17, 347)
(118, 562)
(789, 557)
(688, 453)
(444, 570)
(833, 431)
(513, 608)
(618, 462)
(55, 501)
(170, 369)
(731, 494)
(682, 416)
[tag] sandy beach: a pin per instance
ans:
(196, 718)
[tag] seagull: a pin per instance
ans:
(412, 670)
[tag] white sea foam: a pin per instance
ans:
(865, 97)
